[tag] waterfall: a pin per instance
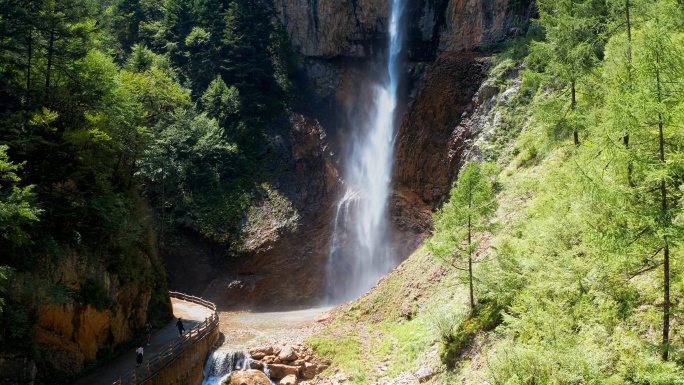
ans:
(221, 363)
(360, 251)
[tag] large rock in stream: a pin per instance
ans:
(248, 377)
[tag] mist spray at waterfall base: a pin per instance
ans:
(361, 251)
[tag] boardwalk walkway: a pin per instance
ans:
(192, 314)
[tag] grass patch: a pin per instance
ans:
(413, 339)
(486, 317)
(345, 353)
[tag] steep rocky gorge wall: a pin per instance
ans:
(102, 312)
(430, 142)
(358, 28)
(285, 254)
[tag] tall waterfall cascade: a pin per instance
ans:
(360, 251)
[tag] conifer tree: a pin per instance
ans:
(468, 212)
(572, 47)
(647, 103)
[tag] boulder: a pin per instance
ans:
(268, 359)
(287, 354)
(256, 365)
(322, 317)
(309, 370)
(321, 368)
(290, 379)
(279, 371)
(423, 374)
(249, 377)
(261, 351)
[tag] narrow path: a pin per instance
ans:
(191, 313)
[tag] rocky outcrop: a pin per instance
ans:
(430, 141)
(287, 363)
(284, 257)
(474, 24)
(358, 28)
(103, 311)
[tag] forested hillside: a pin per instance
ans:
(577, 274)
(122, 123)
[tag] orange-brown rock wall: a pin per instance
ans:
(72, 333)
(430, 141)
(357, 28)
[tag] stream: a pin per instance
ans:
(244, 330)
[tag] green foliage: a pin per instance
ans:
(457, 334)
(468, 212)
(97, 295)
(16, 211)
(344, 352)
(572, 47)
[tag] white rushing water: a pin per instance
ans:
(221, 363)
(360, 251)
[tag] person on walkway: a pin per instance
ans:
(139, 351)
(180, 327)
(148, 331)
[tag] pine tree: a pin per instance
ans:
(646, 102)
(468, 212)
(571, 49)
(248, 64)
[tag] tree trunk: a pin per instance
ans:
(163, 211)
(470, 271)
(663, 202)
(666, 300)
(51, 44)
(666, 253)
(575, 134)
(625, 139)
(470, 255)
(28, 70)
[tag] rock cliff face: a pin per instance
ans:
(89, 315)
(358, 28)
(430, 143)
(285, 254)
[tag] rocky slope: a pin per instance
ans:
(284, 254)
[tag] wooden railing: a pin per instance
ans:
(175, 348)
(193, 299)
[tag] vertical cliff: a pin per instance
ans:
(340, 43)
(358, 28)
(77, 306)
(430, 142)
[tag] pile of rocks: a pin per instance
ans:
(288, 364)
